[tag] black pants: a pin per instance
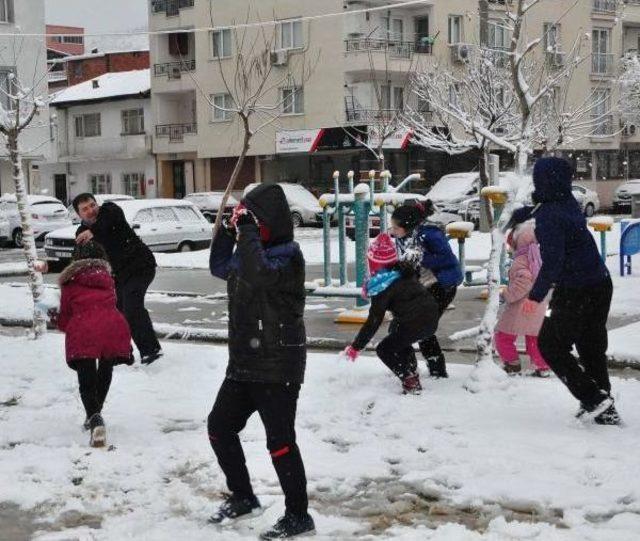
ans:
(94, 383)
(396, 349)
(579, 317)
(430, 348)
(131, 294)
(276, 405)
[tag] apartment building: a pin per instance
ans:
(101, 138)
(62, 42)
(24, 58)
(321, 124)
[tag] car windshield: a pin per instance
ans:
(452, 186)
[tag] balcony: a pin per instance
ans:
(362, 116)
(176, 132)
(397, 49)
(605, 7)
(104, 148)
(174, 70)
(602, 65)
(170, 7)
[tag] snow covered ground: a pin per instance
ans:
(506, 465)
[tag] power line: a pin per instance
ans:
(258, 24)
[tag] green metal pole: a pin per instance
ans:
(386, 175)
(342, 242)
(361, 209)
(350, 176)
(326, 241)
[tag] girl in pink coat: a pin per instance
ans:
(514, 321)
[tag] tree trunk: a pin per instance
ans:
(485, 207)
(29, 244)
(234, 175)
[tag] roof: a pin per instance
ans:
(110, 85)
(104, 53)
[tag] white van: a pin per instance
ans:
(164, 225)
(47, 214)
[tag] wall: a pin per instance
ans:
(84, 69)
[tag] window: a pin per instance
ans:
(601, 111)
(6, 86)
(71, 39)
(88, 125)
(551, 37)
(498, 36)
(221, 43)
(6, 11)
(392, 97)
(100, 183)
(455, 29)
(186, 214)
(144, 217)
(179, 44)
(220, 109)
(164, 214)
(292, 100)
(602, 60)
(132, 184)
(290, 34)
(77, 69)
(133, 121)
(393, 28)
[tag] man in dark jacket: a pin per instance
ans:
(133, 264)
(582, 291)
(267, 353)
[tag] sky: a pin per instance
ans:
(100, 16)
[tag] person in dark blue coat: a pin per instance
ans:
(425, 244)
(582, 291)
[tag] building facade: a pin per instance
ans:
(24, 59)
(361, 61)
(102, 142)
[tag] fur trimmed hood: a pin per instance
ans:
(83, 265)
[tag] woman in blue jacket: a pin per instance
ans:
(425, 243)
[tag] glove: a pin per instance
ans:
(351, 353)
(529, 306)
(246, 218)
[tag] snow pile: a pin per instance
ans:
(624, 343)
(463, 227)
(13, 269)
(378, 463)
(601, 223)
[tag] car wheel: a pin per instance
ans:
(297, 220)
(185, 247)
(17, 238)
(589, 210)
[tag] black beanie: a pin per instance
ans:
(408, 217)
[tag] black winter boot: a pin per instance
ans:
(609, 417)
(290, 525)
(437, 367)
(98, 431)
(235, 507)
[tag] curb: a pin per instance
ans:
(213, 336)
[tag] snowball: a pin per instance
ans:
(466, 227)
(361, 188)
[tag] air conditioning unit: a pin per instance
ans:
(175, 72)
(556, 59)
(460, 53)
(629, 130)
(279, 58)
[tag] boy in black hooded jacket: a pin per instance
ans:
(267, 353)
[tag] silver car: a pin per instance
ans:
(622, 195)
(588, 199)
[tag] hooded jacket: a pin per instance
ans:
(265, 285)
(570, 257)
(94, 327)
(127, 253)
(521, 278)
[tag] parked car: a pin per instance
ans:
(305, 208)
(163, 225)
(47, 214)
(588, 199)
(100, 198)
(451, 190)
(209, 204)
(622, 195)
(5, 232)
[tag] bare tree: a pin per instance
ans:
(18, 110)
(518, 104)
(264, 82)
